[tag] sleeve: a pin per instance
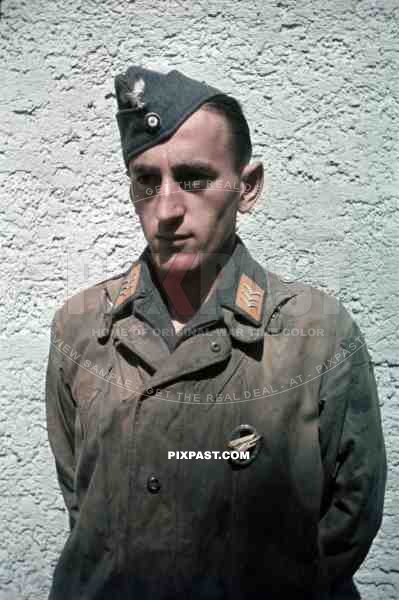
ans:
(354, 457)
(60, 416)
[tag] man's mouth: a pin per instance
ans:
(172, 239)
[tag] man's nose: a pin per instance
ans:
(170, 203)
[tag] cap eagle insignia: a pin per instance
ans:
(135, 94)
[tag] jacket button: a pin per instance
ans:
(215, 346)
(153, 484)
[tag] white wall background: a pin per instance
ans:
(319, 82)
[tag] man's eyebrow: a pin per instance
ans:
(142, 168)
(194, 165)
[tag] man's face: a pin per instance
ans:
(186, 193)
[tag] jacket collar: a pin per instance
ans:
(249, 296)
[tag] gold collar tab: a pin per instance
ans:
(249, 297)
(129, 285)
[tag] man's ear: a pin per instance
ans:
(252, 178)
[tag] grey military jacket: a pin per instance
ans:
(284, 364)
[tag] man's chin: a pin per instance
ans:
(178, 263)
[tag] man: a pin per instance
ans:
(198, 352)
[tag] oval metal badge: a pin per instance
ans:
(244, 438)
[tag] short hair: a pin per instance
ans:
(231, 109)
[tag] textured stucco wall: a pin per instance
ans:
(319, 81)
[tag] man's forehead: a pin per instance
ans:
(202, 138)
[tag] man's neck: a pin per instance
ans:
(184, 297)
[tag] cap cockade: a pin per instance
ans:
(135, 94)
(153, 105)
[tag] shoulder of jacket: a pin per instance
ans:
(86, 304)
(304, 307)
(308, 303)
(279, 288)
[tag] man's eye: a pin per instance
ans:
(194, 182)
(143, 179)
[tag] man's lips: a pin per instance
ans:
(172, 238)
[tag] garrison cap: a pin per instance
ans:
(153, 105)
